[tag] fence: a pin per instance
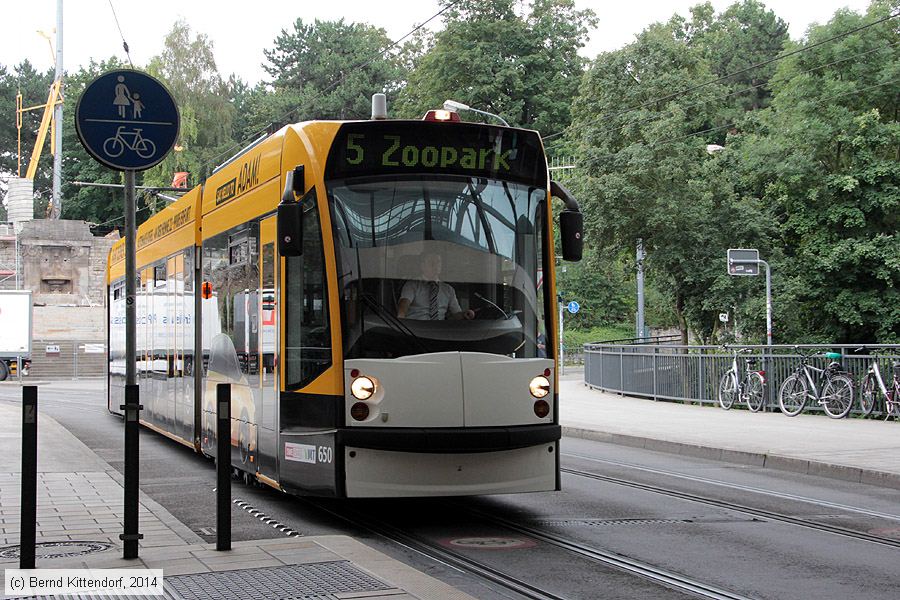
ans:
(67, 359)
(692, 373)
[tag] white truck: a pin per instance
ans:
(15, 332)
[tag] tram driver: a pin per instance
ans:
(429, 298)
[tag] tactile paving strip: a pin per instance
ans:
(316, 581)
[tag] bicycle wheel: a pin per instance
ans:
(145, 148)
(756, 391)
(113, 147)
(868, 394)
(792, 395)
(892, 401)
(837, 396)
(727, 390)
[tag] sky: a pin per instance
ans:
(240, 31)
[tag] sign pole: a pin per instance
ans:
(562, 352)
(130, 281)
(768, 302)
(132, 406)
(128, 121)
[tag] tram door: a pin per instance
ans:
(268, 349)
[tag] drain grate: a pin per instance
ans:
(604, 522)
(316, 581)
(608, 522)
(48, 550)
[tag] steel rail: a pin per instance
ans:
(670, 579)
(743, 488)
(435, 552)
(758, 512)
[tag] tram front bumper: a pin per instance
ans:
(386, 473)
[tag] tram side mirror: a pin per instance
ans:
(571, 223)
(290, 214)
(571, 234)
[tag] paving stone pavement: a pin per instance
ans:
(80, 516)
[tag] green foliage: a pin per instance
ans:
(523, 68)
(92, 204)
(34, 87)
(604, 288)
(575, 339)
(188, 68)
(827, 152)
(328, 70)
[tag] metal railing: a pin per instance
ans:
(692, 373)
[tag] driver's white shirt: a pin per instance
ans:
(418, 293)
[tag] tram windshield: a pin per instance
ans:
(438, 262)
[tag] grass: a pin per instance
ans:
(576, 338)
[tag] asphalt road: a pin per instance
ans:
(715, 543)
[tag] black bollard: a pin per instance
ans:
(223, 466)
(28, 531)
(132, 410)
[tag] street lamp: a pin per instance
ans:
(455, 106)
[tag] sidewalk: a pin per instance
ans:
(79, 519)
(859, 450)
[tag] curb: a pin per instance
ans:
(754, 459)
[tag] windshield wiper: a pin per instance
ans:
(393, 321)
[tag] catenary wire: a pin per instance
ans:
(121, 35)
(333, 84)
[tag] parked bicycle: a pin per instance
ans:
(831, 387)
(751, 388)
(873, 384)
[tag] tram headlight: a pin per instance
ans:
(539, 386)
(362, 388)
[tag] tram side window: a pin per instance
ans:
(308, 333)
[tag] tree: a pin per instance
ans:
(525, 69)
(745, 34)
(92, 204)
(646, 173)
(34, 88)
(188, 68)
(826, 156)
(328, 70)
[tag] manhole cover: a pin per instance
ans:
(489, 543)
(57, 549)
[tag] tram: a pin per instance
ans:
(286, 274)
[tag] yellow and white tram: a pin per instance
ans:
(283, 275)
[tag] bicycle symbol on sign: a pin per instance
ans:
(116, 145)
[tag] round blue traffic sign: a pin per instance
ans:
(573, 307)
(127, 120)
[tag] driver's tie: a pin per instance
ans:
(433, 300)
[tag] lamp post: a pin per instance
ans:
(455, 106)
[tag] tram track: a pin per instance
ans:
(741, 508)
(621, 562)
(739, 487)
(459, 561)
(433, 551)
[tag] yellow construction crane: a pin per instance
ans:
(54, 98)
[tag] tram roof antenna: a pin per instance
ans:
(241, 151)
